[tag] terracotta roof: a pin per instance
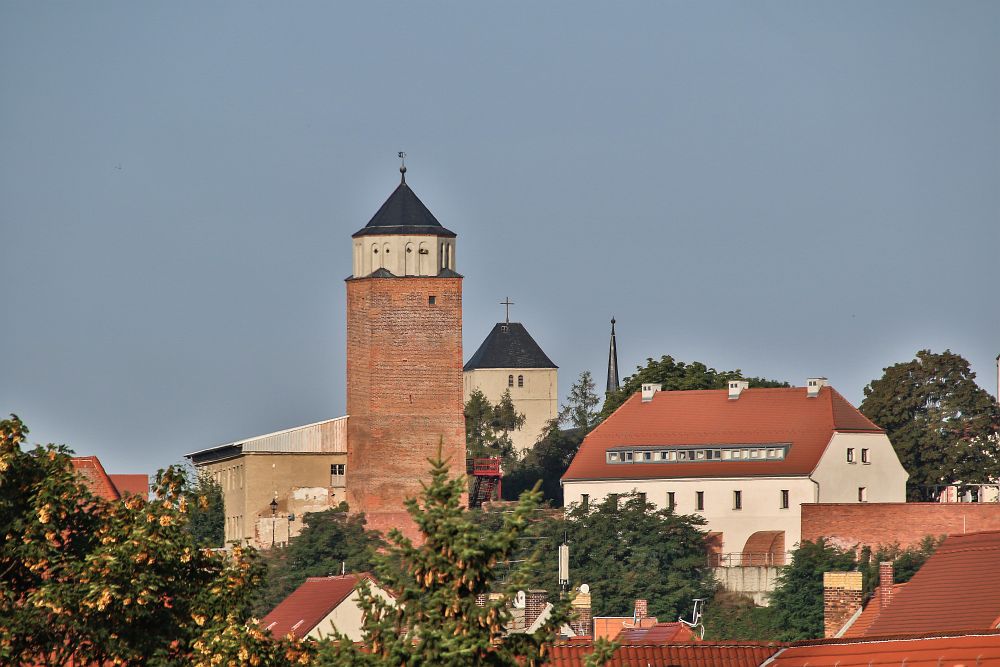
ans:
(661, 633)
(707, 654)
(871, 611)
(913, 651)
(134, 484)
(957, 589)
(97, 480)
(609, 627)
(309, 604)
(708, 417)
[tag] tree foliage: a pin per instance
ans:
(332, 540)
(733, 616)
(125, 581)
(939, 421)
(675, 375)
(206, 510)
(488, 427)
(905, 561)
(544, 463)
(580, 410)
(435, 620)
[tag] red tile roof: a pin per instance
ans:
(97, 480)
(757, 417)
(715, 654)
(871, 612)
(915, 651)
(957, 589)
(608, 627)
(661, 633)
(309, 604)
(131, 484)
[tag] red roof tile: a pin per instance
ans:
(714, 654)
(957, 589)
(309, 604)
(871, 612)
(661, 633)
(759, 416)
(916, 651)
(93, 474)
(131, 484)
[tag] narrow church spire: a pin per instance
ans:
(613, 361)
(402, 167)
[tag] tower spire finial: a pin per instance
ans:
(402, 167)
(507, 303)
(613, 361)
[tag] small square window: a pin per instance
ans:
(431, 300)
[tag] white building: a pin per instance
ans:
(744, 459)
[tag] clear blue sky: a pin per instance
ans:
(792, 189)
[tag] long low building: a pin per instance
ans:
(744, 459)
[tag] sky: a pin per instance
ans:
(791, 189)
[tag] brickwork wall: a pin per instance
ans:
(404, 390)
(841, 599)
(847, 525)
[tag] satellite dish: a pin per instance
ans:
(584, 588)
(519, 600)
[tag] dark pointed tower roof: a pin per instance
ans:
(613, 362)
(403, 213)
(509, 345)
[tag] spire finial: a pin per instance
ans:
(613, 384)
(507, 303)
(402, 167)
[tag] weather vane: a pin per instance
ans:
(402, 166)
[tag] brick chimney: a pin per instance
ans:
(885, 581)
(841, 599)
(641, 610)
(534, 603)
(582, 620)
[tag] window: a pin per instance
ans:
(431, 300)
(510, 380)
(337, 474)
(520, 380)
(784, 499)
(642, 498)
(862, 494)
(864, 456)
(585, 500)
(699, 500)
(737, 500)
(647, 456)
(671, 501)
(850, 454)
(627, 456)
(613, 500)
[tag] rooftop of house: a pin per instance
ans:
(309, 604)
(797, 428)
(957, 589)
(920, 650)
(509, 345)
(403, 213)
(683, 654)
(659, 633)
(131, 484)
(858, 626)
(109, 487)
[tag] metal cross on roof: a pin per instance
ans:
(507, 303)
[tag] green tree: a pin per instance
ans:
(675, 375)
(939, 421)
(905, 562)
(797, 599)
(331, 540)
(544, 463)
(625, 549)
(580, 409)
(435, 620)
(488, 427)
(732, 616)
(97, 581)
(206, 510)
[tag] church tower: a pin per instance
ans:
(404, 358)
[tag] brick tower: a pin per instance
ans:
(404, 358)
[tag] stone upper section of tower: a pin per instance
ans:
(403, 238)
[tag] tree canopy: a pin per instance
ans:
(488, 427)
(940, 422)
(206, 510)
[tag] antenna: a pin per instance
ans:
(564, 566)
(695, 622)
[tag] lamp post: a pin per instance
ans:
(274, 510)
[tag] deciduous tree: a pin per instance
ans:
(798, 597)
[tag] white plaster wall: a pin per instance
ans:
(537, 400)
(346, 618)
(883, 478)
(400, 254)
(761, 503)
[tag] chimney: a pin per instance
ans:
(641, 610)
(813, 385)
(841, 600)
(534, 604)
(885, 580)
(736, 388)
(582, 620)
(648, 390)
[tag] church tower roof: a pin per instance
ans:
(509, 345)
(613, 362)
(403, 213)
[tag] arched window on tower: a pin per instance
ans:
(510, 380)
(520, 380)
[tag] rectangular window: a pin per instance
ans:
(613, 500)
(784, 499)
(699, 500)
(737, 500)
(647, 456)
(431, 300)
(613, 457)
(627, 456)
(864, 456)
(862, 494)
(337, 473)
(642, 498)
(585, 500)
(850, 454)
(671, 500)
